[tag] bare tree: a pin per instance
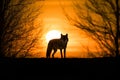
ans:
(18, 30)
(100, 20)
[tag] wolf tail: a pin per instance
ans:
(48, 52)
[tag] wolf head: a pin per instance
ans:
(64, 37)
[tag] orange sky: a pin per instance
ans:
(54, 19)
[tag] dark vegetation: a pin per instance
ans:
(17, 27)
(100, 19)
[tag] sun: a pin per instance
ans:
(53, 34)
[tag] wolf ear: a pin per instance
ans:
(61, 34)
(66, 34)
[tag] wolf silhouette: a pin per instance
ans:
(56, 44)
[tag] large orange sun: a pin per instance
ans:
(53, 34)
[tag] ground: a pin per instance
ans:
(69, 67)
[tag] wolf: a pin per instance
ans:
(56, 44)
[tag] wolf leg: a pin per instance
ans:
(61, 53)
(65, 53)
(55, 50)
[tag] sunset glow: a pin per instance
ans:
(55, 23)
(49, 24)
(53, 34)
(27, 26)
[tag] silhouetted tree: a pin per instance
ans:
(18, 30)
(100, 19)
